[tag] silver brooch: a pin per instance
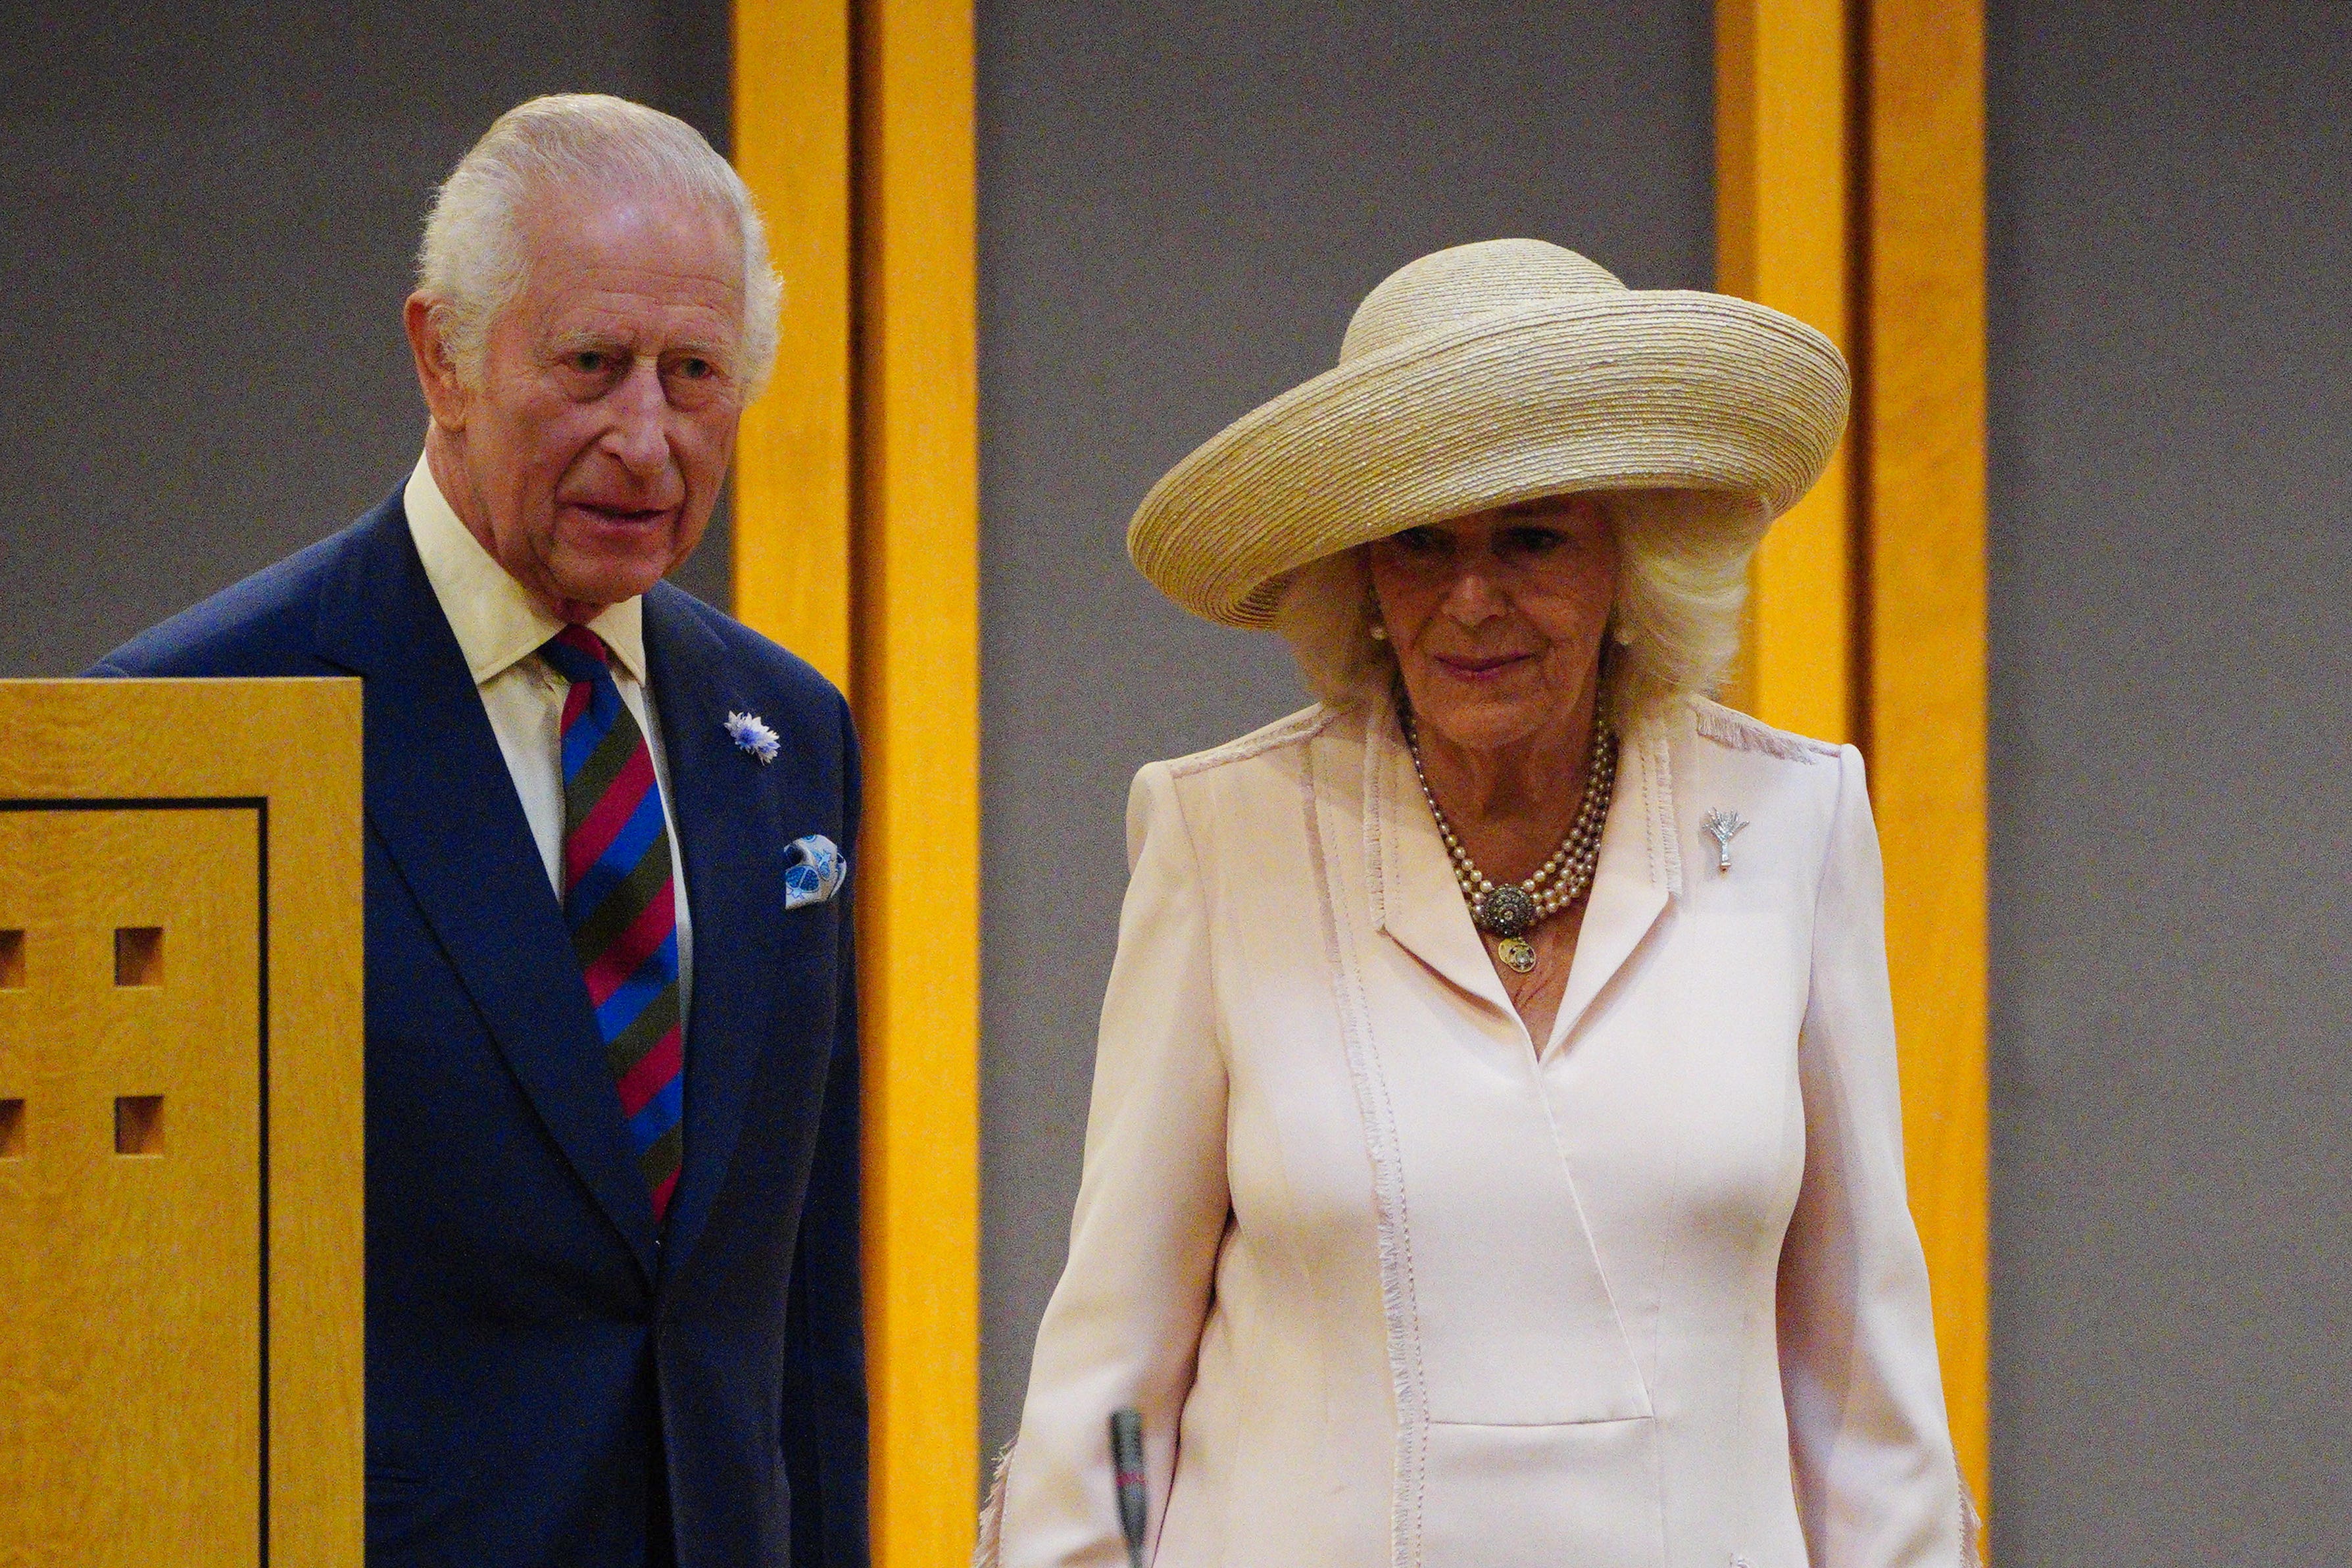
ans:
(751, 732)
(1722, 826)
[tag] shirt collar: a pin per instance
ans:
(497, 622)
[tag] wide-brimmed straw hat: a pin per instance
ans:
(1488, 374)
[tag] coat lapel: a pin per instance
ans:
(1415, 901)
(732, 846)
(1414, 898)
(1639, 869)
(471, 861)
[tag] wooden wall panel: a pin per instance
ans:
(1851, 194)
(858, 546)
(132, 1277)
(792, 501)
(1924, 435)
(917, 672)
(1783, 240)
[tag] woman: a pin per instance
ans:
(1495, 1156)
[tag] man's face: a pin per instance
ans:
(594, 443)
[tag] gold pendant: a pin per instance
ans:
(1517, 951)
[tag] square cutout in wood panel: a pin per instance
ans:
(139, 1124)
(139, 955)
(12, 1129)
(12, 960)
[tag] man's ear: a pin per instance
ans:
(437, 372)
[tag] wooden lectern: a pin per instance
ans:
(180, 1123)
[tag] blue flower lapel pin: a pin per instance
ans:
(814, 871)
(751, 732)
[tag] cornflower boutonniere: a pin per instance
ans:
(751, 732)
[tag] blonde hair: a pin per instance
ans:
(1682, 582)
(473, 262)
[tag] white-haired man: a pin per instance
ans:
(612, 1129)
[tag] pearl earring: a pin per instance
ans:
(1378, 632)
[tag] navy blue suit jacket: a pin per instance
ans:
(538, 1357)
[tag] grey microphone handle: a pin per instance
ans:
(1128, 1477)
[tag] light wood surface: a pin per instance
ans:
(857, 546)
(916, 675)
(1782, 239)
(1924, 433)
(1851, 194)
(141, 1355)
(793, 457)
(131, 1350)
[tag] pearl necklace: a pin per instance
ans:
(1514, 909)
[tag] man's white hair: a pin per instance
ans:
(474, 262)
(1675, 626)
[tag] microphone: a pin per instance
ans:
(1127, 1472)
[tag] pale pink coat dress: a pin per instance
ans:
(1393, 1288)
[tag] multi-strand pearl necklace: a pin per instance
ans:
(1513, 908)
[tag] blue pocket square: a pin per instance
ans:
(815, 872)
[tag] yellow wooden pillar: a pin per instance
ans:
(792, 539)
(1851, 194)
(1922, 432)
(858, 545)
(1782, 239)
(916, 675)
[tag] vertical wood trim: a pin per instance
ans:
(1782, 239)
(792, 522)
(1868, 615)
(916, 667)
(318, 1030)
(856, 508)
(1925, 498)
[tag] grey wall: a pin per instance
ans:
(207, 212)
(1180, 204)
(2172, 562)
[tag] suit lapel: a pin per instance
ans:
(1640, 868)
(1414, 897)
(732, 847)
(471, 863)
(1415, 900)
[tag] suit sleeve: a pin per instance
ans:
(1124, 1325)
(1877, 1485)
(823, 1439)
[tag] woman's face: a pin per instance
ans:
(1497, 617)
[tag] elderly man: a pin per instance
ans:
(612, 1124)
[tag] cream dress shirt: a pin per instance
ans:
(501, 628)
(1395, 1286)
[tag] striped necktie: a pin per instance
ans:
(619, 900)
